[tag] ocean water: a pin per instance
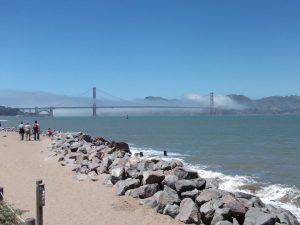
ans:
(254, 154)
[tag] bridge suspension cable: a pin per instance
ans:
(116, 97)
(78, 96)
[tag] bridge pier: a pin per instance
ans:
(51, 111)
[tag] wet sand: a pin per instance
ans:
(68, 201)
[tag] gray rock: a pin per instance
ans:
(185, 185)
(200, 183)
(151, 202)
(209, 194)
(151, 177)
(175, 163)
(285, 216)
(118, 163)
(188, 212)
(134, 173)
(183, 173)
(243, 195)
(87, 138)
(124, 185)
(145, 191)
(220, 215)
(171, 210)
(117, 174)
(256, 216)
(168, 196)
(212, 183)
(170, 181)
(225, 222)
(208, 209)
(75, 145)
(145, 165)
(237, 209)
(190, 194)
(162, 165)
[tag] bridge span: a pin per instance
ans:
(49, 110)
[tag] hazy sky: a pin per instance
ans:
(167, 48)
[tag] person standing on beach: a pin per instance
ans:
(27, 131)
(36, 131)
(21, 131)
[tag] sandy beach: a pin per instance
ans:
(68, 201)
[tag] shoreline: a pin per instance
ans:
(68, 202)
(70, 162)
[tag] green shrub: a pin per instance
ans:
(7, 217)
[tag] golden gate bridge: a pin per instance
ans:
(49, 111)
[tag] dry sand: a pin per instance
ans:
(68, 201)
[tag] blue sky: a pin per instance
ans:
(168, 48)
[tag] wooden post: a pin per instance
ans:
(165, 153)
(40, 201)
(141, 154)
(2, 193)
(29, 221)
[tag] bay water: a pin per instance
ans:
(254, 154)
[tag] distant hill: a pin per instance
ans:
(7, 111)
(269, 105)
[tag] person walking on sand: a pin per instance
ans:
(27, 131)
(21, 131)
(36, 131)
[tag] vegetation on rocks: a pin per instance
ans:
(7, 217)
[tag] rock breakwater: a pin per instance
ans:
(167, 186)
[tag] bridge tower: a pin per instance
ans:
(212, 104)
(94, 102)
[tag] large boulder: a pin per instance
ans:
(256, 216)
(151, 177)
(183, 173)
(168, 196)
(145, 165)
(284, 216)
(175, 163)
(117, 174)
(171, 210)
(190, 194)
(124, 185)
(225, 222)
(75, 145)
(209, 194)
(188, 212)
(237, 209)
(145, 191)
(208, 209)
(170, 181)
(185, 185)
(162, 165)
(87, 138)
(121, 146)
(220, 215)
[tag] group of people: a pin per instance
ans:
(26, 130)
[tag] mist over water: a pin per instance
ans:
(254, 154)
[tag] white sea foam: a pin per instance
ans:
(275, 194)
